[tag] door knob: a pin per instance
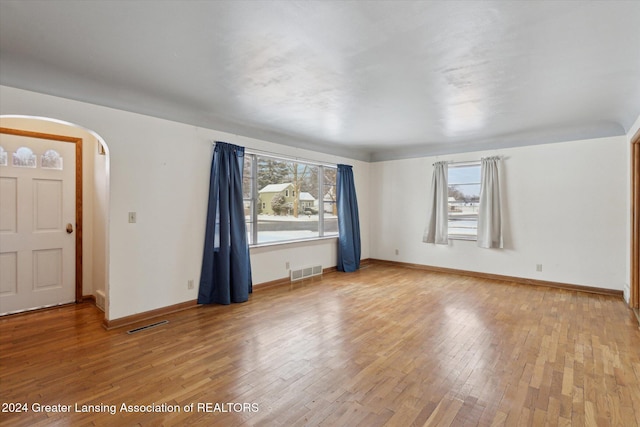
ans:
(69, 228)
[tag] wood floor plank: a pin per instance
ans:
(384, 346)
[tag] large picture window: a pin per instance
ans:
(464, 198)
(288, 200)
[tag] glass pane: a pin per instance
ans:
(24, 158)
(51, 160)
(247, 217)
(246, 177)
(464, 197)
(329, 202)
(463, 210)
(464, 175)
(247, 210)
(464, 193)
(3, 157)
(287, 206)
(462, 227)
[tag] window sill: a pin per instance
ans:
(292, 242)
(469, 238)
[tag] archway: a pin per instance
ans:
(95, 195)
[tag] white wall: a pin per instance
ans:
(565, 207)
(160, 169)
(100, 221)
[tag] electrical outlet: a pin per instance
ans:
(538, 267)
(397, 252)
(190, 284)
(286, 265)
(132, 217)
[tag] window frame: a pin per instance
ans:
(254, 199)
(457, 165)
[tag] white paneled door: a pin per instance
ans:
(37, 223)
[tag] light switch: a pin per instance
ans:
(132, 217)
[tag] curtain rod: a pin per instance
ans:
(279, 156)
(469, 162)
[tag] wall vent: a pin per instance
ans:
(100, 300)
(305, 272)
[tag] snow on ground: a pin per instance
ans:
(301, 217)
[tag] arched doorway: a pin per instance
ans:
(93, 271)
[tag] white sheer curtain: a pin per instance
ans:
(437, 230)
(489, 215)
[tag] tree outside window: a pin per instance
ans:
(288, 200)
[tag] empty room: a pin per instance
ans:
(319, 213)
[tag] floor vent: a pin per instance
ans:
(144, 328)
(306, 272)
(100, 300)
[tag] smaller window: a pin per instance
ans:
(51, 160)
(464, 199)
(286, 193)
(24, 158)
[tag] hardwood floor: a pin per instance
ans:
(385, 346)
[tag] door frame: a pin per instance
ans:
(634, 294)
(78, 144)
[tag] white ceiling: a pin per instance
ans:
(370, 80)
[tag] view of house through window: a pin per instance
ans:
(287, 200)
(464, 198)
